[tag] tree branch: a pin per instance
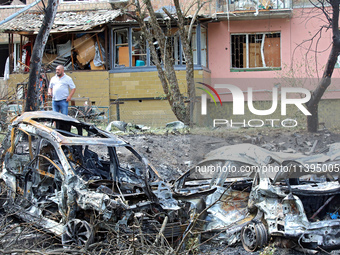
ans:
(193, 21)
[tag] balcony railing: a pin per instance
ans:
(252, 5)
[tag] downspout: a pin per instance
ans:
(19, 12)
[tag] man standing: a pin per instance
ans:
(59, 90)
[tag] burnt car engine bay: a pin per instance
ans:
(80, 183)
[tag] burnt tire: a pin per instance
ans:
(254, 236)
(77, 233)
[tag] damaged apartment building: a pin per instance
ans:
(235, 42)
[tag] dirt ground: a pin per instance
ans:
(174, 152)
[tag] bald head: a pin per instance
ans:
(60, 71)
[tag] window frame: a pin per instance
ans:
(263, 68)
(148, 66)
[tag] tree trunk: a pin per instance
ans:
(312, 105)
(33, 89)
(166, 69)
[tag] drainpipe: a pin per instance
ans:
(19, 12)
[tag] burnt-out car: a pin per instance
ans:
(79, 182)
(260, 194)
(298, 198)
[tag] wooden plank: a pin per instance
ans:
(254, 55)
(272, 52)
(123, 56)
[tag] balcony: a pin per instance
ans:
(253, 9)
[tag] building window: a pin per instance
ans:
(255, 50)
(131, 48)
(204, 40)
(121, 55)
(139, 48)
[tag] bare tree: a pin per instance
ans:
(332, 16)
(158, 35)
(39, 46)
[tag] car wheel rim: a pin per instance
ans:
(254, 236)
(77, 232)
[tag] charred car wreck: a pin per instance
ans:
(78, 182)
(262, 194)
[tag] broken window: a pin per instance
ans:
(256, 50)
(131, 48)
(122, 55)
(204, 42)
(48, 169)
(194, 47)
(132, 170)
(24, 146)
(173, 47)
(139, 52)
(91, 162)
(193, 44)
(175, 40)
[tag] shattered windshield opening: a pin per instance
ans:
(71, 128)
(91, 162)
(120, 167)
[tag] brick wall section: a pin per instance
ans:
(101, 86)
(143, 84)
(94, 84)
(154, 113)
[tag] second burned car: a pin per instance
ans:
(262, 194)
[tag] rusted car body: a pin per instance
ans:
(79, 182)
(262, 194)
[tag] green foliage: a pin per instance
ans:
(268, 250)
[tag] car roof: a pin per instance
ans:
(27, 116)
(32, 118)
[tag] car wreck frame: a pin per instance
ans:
(73, 180)
(79, 182)
(260, 194)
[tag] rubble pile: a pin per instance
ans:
(173, 154)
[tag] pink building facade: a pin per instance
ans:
(235, 46)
